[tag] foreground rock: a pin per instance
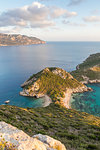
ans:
(54, 82)
(17, 39)
(22, 141)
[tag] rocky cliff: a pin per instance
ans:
(17, 39)
(14, 139)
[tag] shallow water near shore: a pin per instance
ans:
(18, 63)
(87, 102)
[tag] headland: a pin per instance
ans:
(55, 83)
(17, 39)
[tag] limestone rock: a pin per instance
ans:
(61, 72)
(50, 142)
(24, 142)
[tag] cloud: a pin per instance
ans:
(73, 24)
(70, 14)
(10, 30)
(30, 15)
(75, 2)
(58, 12)
(35, 15)
(92, 19)
(95, 12)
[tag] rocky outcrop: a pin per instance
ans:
(61, 73)
(94, 81)
(87, 80)
(22, 141)
(81, 89)
(90, 81)
(17, 39)
(95, 68)
(50, 142)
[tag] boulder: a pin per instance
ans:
(50, 142)
(22, 141)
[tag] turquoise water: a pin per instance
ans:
(89, 101)
(18, 63)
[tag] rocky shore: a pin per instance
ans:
(64, 101)
(90, 81)
(69, 92)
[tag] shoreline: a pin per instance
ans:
(66, 100)
(68, 94)
(22, 44)
(91, 81)
(47, 101)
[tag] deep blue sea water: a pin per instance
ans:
(18, 63)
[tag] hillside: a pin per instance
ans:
(77, 130)
(54, 82)
(89, 70)
(17, 39)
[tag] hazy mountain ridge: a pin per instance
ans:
(17, 39)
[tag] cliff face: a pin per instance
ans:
(14, 139)
(89, 70)
(54, 82)
(14, 39)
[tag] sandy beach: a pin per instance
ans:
(66, 100)
(48, 101)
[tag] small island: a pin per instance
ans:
(89, 70)
(53, 83)
(17, 39)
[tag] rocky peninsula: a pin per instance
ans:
(89, 70)
(17, 39)
(56, 83)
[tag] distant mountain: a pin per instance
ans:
(17, 39)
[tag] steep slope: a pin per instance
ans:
(89, 70)
(54, 82)
(17, 39)
(76, 130)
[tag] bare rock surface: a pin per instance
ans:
(24, 142)
(50, 142)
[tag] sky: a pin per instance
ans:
(52, 20)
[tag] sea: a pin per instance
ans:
(18, 63)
